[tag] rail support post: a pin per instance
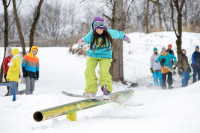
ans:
(72, 116)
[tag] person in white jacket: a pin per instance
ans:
(156, 68)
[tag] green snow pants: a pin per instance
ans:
(90, 75)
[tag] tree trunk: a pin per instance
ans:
(33, 27)
(19, 27)
(117, 64)
(146, 20)
(178, 7)
(5, 33)
(159, 15)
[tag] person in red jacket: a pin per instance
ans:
(5, 64)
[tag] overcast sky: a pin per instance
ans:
(28, 5)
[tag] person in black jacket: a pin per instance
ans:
(196, 64)
(169, 50)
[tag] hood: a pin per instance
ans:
(15, 51)
(92, 25)
(32, 48)
(164, 54)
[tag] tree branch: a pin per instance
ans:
(172, 17)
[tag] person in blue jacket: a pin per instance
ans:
(165, 61)
(100, 39)
(196, 64)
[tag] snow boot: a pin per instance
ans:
(87, 94)
(105, 90)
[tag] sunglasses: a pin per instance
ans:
(98, 24)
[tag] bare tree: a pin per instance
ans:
(21, 37)
(35, 21)
(146, 21)
(117, 20)
(178, 6)
(6, 5)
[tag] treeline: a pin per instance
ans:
(68, 22)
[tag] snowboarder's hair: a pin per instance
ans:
(106, 37)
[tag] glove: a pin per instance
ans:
(174, 67)
(24, 74)
(151, 70)
(81, 42)
(127, 39)
(36, 77)
(5, 75)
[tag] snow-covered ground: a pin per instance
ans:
(163, 111)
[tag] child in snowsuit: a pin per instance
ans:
(165, 60)
(156, 68)
(184, 68)
(5, 65)
(14, 71)
(30, 67)
(100, 39)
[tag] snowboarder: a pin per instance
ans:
(156, 68)
(5, 65)
(184, 68)
(100, 39)
(165, 61)
(196, 64)
(14, 71)
(30, 67)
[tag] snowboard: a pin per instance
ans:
(115, 97)
(172, 71)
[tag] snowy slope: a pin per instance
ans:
(164, 111)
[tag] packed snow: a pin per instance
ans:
(151, 109)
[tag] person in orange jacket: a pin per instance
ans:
(30, 67)
(165, 61)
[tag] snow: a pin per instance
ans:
(160, 111)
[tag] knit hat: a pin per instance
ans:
(163, 48)
(197, 47)
(99, 20)
(169, 45)
(155, 49)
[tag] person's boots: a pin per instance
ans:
(89, 95)
(105, 90)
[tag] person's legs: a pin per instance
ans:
(164, 80)
(184, 79)
(169, 80)
(10, 88)
(105, 77)
(194, 75)
(7, 88)
(90, 75)
(155, 78)
(160, 78)
(32, 85)
(188, 77)
(28, 85)
(198, 72)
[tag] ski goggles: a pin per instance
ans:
(98, 24)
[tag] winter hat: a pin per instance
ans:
(197, 47)
(101, 24)
(163, 48)
(169, 45)
(9, 49)
(155, 49)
